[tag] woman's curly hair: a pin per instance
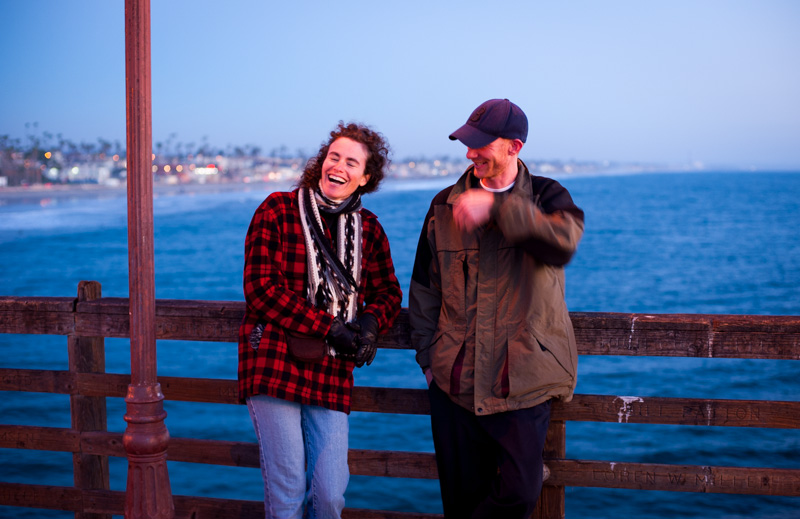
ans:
(377, 159)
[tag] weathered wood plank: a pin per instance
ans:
(37, 315)
(680, 411)
(104, 443)
(214, 452)
(642, 476)
(191, 450)
(685, 335)
(216, 321)
(189, 507)
(573, 473)
(37, 380)
(391, 400)
(200, 390)
(40, 496)
(708, 336)
(104, 501)
(362, 462)
(102, 384)
(583, 408)
(552, 500)
(563, 472)
(88, 413)
(398, 336)
(211, 390)
(39, 438)
(394, 464)
(235, 454)
(688, 335)
(676, 478)
(36, 304)
(186, 507)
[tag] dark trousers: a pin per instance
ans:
(489, 466)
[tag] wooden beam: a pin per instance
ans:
(582, 408)
(670, 335)
(37, 315)
(676, 478)
(186, 507)
(688, 335)
(40, 496)
(88, 413)
(552, 501)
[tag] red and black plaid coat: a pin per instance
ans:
(274, 289)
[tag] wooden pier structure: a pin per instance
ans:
(87, 319)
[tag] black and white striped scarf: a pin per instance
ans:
(333, 275)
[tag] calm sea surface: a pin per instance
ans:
(725, 243)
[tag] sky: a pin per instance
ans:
(672, 81)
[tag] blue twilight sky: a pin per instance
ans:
(668, 81)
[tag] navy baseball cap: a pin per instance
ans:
(492, 119)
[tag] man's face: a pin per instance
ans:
(343, 168)
(492, 160)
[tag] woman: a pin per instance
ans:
(317, 264)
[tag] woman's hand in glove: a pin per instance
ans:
(367, 327)
(343, 339)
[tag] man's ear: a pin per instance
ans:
(515, 146)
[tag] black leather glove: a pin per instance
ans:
(367, 327)
(343, 339)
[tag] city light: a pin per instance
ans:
(209, 170)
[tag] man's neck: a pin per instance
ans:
(505, 179)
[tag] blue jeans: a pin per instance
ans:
(303, 454)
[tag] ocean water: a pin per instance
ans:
(720, 243)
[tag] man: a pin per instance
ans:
(489, 321)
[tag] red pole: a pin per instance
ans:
(146, 436)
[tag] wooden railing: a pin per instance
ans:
(86, 321)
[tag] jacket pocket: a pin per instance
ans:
(534, 368)
(446, 348)
(557, 358)
(454, 285)
(456, 370)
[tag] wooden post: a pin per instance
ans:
(88, 413)
(551, 502)
(146, 437)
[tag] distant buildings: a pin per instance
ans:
(35, 167)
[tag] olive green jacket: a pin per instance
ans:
(487, 308)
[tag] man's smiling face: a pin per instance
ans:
(495, 163)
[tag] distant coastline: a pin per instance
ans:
(39, 192)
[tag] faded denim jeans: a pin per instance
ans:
(303, 455)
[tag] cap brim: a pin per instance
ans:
(472, 137)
